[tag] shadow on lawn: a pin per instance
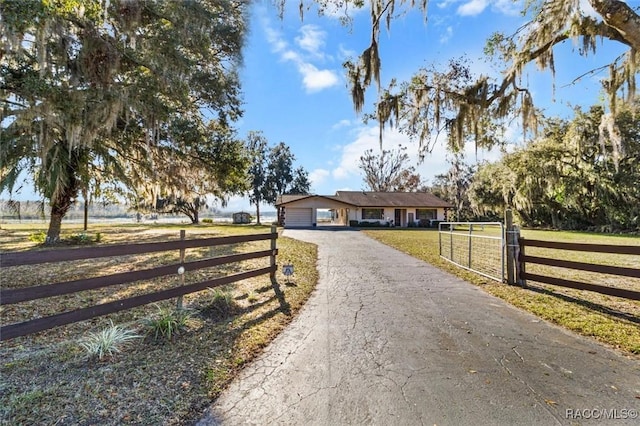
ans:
(224, 310)
(587, 304)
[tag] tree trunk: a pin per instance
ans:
(195, 219)
(86, 209)
(55, 223)
(617, 14)
(59, 207)
(258, 213)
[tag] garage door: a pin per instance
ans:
(297, 217)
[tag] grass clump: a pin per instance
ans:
(222, 302)
(252, 297)
(38, 237)
(168, 322)
(108, 341)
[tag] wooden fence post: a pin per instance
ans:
(510, 239)
(274, 230)
(521, 265)
(182, 252)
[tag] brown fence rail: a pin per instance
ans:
(20, 295)
(524, 259)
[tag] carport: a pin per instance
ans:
(301, 211)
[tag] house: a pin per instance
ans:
(388, 208)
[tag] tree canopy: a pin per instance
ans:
(198, 164)
(87, 86)
(570, 177)
(271, 172)
(389, 171)
(462, 104)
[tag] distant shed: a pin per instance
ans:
(241, 217)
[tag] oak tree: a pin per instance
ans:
(88, 85)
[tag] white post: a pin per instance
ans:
(182, 253)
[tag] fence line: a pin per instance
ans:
(13, 296)
(463, 248)
(45, 256)
(523, 259)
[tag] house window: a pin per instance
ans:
(377, 214)
(426, 214)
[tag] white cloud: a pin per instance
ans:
(434, 163)
(476, 7)
(290, 55)
(274, 38)
(318, 177)
(310, 42)
(446, 3)
(507, 7)
(446, 35)
(314, 79)
(366, 138)
(345, 53)
(472, 8)
(340, 124)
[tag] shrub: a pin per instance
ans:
(108, 341)
(167, 322)
(370, 224)
(207, 220)
(38, 237)
(353, 223)
(81, 238)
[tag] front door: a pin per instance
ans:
(398, 217)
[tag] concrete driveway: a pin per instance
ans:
(389, 340)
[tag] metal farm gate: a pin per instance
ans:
(475, 246)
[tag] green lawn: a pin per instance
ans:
(610, 320)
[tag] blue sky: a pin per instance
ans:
(295, 89)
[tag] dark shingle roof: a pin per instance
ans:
(391, 199)
(375, 199)
(284, 199)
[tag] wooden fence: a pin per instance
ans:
(19, 295)
(524, 259)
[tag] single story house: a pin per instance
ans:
(389, 208)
